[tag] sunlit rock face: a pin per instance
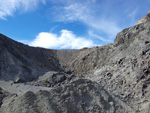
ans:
(144, 19)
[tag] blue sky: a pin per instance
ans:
(68, 24)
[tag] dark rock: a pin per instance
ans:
(81, 96)
(19, 80)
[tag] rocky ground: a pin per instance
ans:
(114, 78)
(81, 96)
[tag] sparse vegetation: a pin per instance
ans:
(3, 94)
(46, 81)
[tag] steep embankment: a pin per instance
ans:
(127, 74)
(28, 63)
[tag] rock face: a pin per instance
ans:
(81, 96)
(53, 79)
(3, 94)
(21, 61)
(144, 19)
(114, 78)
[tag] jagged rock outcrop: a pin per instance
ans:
(144, 19)
(53, 79)
(127, 72)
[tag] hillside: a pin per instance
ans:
(114, 78)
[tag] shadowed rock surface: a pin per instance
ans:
(114, 78)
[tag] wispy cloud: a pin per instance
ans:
(71, 12)
(8, 7)
(102, 18)
(92, 34)
(90, 14)
(132, 15)
(67, 39)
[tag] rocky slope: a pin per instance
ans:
(81, 96)
(114, 78)
(127, 74)
(21, 61)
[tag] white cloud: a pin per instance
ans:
(72, 12)
(66, 40)
(8, 7)
(90, 14)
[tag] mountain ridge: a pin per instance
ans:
(112, 78)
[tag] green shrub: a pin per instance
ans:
(3, 94)
(46, 81)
